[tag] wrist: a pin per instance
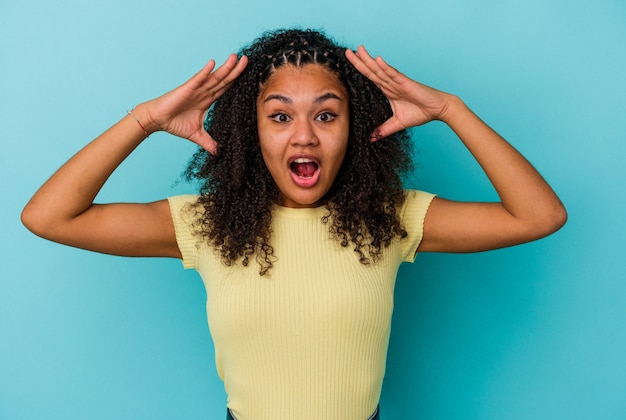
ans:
(144, 119)
(452, 109)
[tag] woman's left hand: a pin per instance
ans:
(529, 209)
(412, 103)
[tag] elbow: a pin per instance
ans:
(561, 218)
(558, 217)
(29, 219)
(34, 220)
(552, 221)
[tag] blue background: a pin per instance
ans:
(532, 332)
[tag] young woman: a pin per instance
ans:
(301, 222)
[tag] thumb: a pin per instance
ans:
(205, 141)
(385, 129)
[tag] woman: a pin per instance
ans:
(301, 222)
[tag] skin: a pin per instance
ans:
(62, 210)
(529, 209)
(303, 113)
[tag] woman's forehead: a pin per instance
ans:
(310, 76)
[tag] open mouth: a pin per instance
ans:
(303, 167)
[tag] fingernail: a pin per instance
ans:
(376, 135)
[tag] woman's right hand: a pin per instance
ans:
(62, 210)
(181, 111)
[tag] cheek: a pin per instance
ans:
(265, 153)
(264, 142)
(342, 148)
(270, 154)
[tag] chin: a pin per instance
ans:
(304, 200)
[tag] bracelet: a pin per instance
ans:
(138, 122)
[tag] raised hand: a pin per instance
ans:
(181, 111)
(63, 210)
(528, 210)
(412, 103)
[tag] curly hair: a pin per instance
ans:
(237, 191)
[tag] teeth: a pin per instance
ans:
(303, 160)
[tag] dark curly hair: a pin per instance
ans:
(237, 191)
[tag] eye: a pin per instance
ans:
(326, 117)
(280, 117)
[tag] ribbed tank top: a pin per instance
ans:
(309, 340)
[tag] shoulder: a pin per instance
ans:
(181, 200)
(185, 210)
(180, 203)
(416, 204)
(412, 215)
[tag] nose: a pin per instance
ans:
(304, 134)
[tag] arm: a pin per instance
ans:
(63, 211)
(529, 209)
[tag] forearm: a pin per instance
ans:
(523, 191)
(70, 191)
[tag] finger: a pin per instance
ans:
(377, 72)
(385, 129)
(229, 77)
(199, 78)
(352, 58)
(227, 72)
(205, 141)
(207, 69)
(357, 60)
(380, 68)
(392, 74)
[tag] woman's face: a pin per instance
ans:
(303, 119)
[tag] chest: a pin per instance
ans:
(317, 289)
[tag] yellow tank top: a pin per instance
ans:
(309, 340)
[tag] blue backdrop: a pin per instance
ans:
(532, 332)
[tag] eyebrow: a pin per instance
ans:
(286, 100)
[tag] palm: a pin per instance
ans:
(181, 111)
(412, 103)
